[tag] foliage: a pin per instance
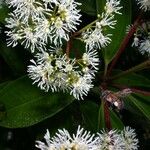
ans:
(22, 104)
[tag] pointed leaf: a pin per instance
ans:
(88, 7)
(115, 120)
(89, 112)
(119, 31)
(142, 106)
(27, 105)
(133, 80)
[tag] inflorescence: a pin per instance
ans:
(144, 4)
(142, 38)
(57, 72)
(85, 140)
(40, 24)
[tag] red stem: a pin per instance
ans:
(124, 43)
(103, 87)
(107, 116)
(134, 90)
(69, 45)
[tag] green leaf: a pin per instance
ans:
(133, 80)
(3, 13)
(119, 31)
(13, 57)
(100, 4)
(27, 105)
(115, 120)
(141, 105)
(88, 7)
(89, 112)
(101, 116)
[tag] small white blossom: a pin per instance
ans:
(96, 39)
(58, 72)
(129, 139)
(136, 41)
(41, 22)
(142, 38)
(144, 4)
(110, 140)
(81, 86)
(82, 140)
(90, 57)
(112, 6)
(145, 46)
(95, 36)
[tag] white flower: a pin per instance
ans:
(23, 33)
(109, 140)
(48, 146)
(41, 22)
(106, 20)
(145, 46)
(90, 57)
(144, 4)
(81, 86)
(82, 140)
(58, 72)
(136, 41)
(112, 6)
(95, 39)
(129, 139)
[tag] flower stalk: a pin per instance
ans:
(124, 43)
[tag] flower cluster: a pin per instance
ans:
(144, 4)
(142, 38)
(56, 71)
(95, 35)
(84, 140)
(34, 23)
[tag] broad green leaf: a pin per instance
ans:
(3, 13)
(13, 57)
(101, 116)
(89, 112)
(133, 80)
(141, 105)
(100, 4)
(115, 120)
(119, 31)
(88, 7)
(27, 105)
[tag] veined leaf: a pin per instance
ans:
(88, 7)
(119, 31)
(115, 120)
(13, 58)
(3, 13)
(141, 105)
(89, 112)
(133, 80)
(27, 105)
(101, 116)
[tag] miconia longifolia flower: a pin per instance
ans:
(142, 38)
(62, 140)
(35, 23)
(95, 35)
(57, 72)
(144, 4)
(85, 140)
